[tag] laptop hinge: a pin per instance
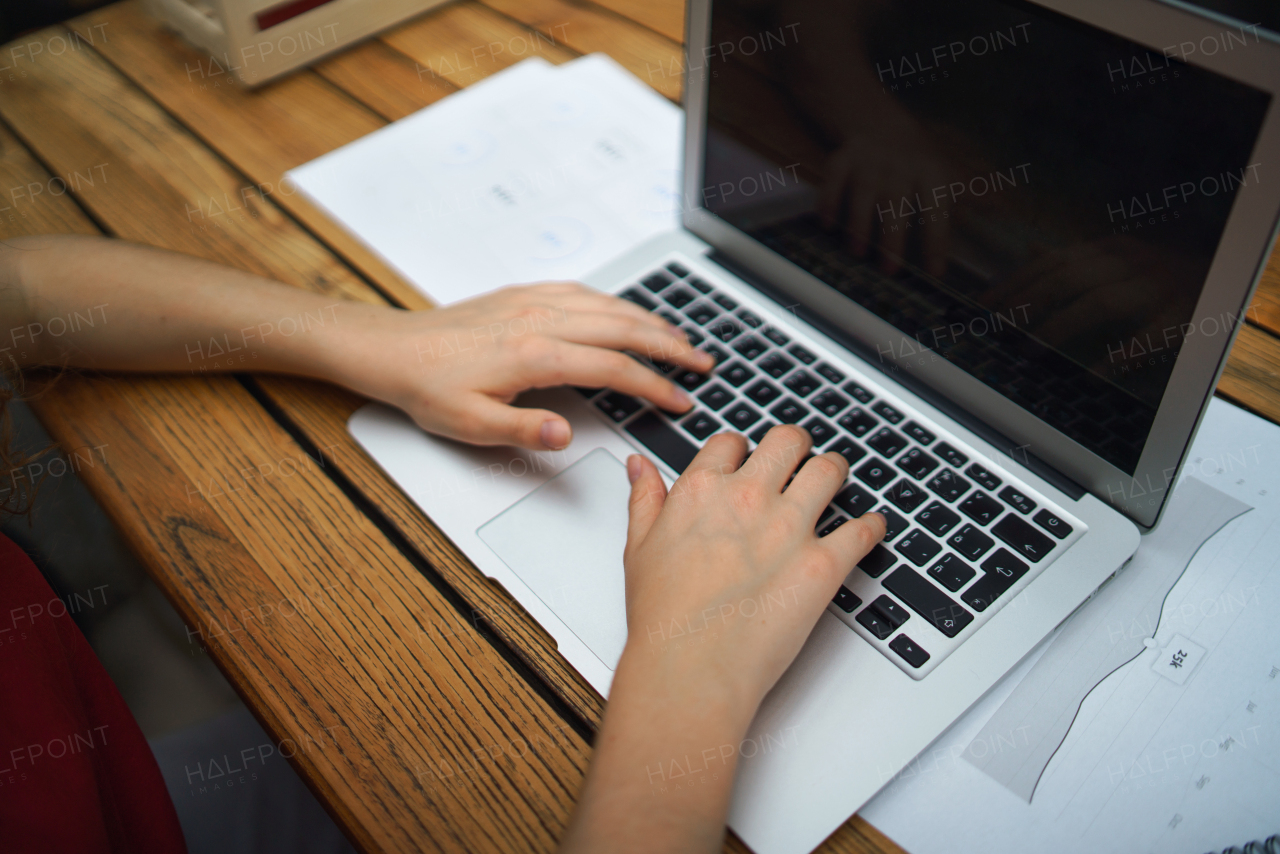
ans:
(1017, 453)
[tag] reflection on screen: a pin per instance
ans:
(1032, 199)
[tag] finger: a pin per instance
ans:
(648, 494)
(618, 332)
(817, 483)
(777, 456)
(488, 422)
(723, 453)
(550, 362)
(548, 304)
(850, 542)
(588, 300)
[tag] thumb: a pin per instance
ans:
(648, 494)
(489, 422)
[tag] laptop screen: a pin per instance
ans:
(1035, 200)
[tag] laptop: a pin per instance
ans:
(993, 252)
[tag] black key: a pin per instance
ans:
(849, 449)
(874, 623)
(832, 525)
(858, 421)
(789, 410)
(876, 473)
(717, 352)
(911, 653)
(982, 476)
(952, 573)
(830, 403)
(802, 354)
(702, 313)
(670, 316)
(1017, 500)
(656, 281)
(905, 495)
(820, 431)
(750, 318)
(918, 547)
(701, 285)
(725, 301)
(802, 383)
(859, 393)
(639, 297)
(716, 396)
(588, 393)
(877, 561)
(618, 406)
(943, 612)
(750, 347)
(917, 463)
(776, 365)
(981, 508)
(689, 380)
(1050, 523)
(657, 435)
(854, 500)
(937, 519)
(1025, 540)
(893, 523)
(775, 336)
(757, 435)
(740, 416)
(724, 328)
(700, 424)
(948, 485)
(679, 297)
(826, 514)
(893, 613)
(887, 441)
(830, 373)
(677, 270)
(951, 455)
(1000, 572)
(887, 412)
(694, 334)
(970, 542)
(918, 432)
(763, 392)
(846, 600)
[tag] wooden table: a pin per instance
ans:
(429, 711)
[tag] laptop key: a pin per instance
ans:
(789, 410)
(917, 463)
(750, 347)
(918, 547)
(948, 485)
(588, 393)
(656, 281)
(694, 334)
(830, 403)
(893, 613)
(701, 285)
(820, 431)
(887, 412)
(937, 519)
(638, 297)
(952, 573)
(918, 432)
(678, 270)
(1017, 500)
(757, 435)
(846, 600)
(854, 500)
(832, 525)
(725, 301)
(876, 473)
(944, 613)
(802, 354)
(849, 449)
(953, 457)
(1050, 523)
(717, 352)
(911, 652)
(658, 436)
(871, 620)
(716, 397)
(905, 495)
(776, 365)
(700, 424)
(669, 316)
(981, 508)
(724, 328)
(858, 421)
(970, 542)
(679, 297)
(689, 380)
(736, 373)
(763, 392)
(702, 313)
(750, 318)
(618, 406)
(887, 441)
(877, 561)
(740, 416)
(893, 523)
(1026, 541)
(999, 572)
(775, 336)
(831, 374)
(802, 383)
(858, 392)
(982, 476)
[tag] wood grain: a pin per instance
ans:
(1252, 375)
(384, 79)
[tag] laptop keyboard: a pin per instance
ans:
(962, 531)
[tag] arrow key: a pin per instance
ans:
(1025, 540)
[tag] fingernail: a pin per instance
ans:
(554, 434)
(633, 467)
(684, 397)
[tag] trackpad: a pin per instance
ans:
(565, 540)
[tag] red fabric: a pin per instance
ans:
(76, 774)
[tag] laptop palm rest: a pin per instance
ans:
(565, 540)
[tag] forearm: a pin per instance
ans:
(109, 305)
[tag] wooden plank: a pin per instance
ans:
(662, 16)
(1265, 308)
(587, 28)
(1252, 375)
(264, 132)
(384, 80)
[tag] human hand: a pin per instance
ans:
(455, 370)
